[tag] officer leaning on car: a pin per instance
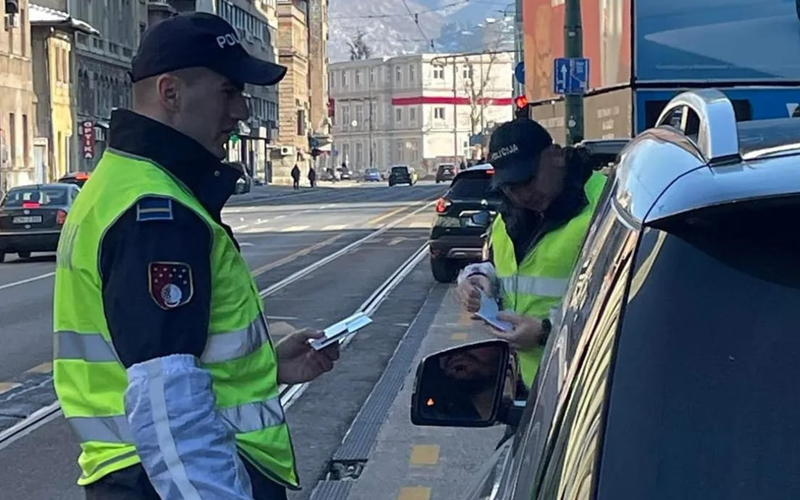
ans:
(163, 362)
(549, 195)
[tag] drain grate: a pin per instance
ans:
(332, 490)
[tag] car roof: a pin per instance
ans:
(57, 185)
(666, 170)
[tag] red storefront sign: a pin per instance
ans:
(87, 136)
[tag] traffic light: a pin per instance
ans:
(521, 105)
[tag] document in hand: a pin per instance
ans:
(337, 331)
(489, 311)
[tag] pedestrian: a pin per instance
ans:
(163, 364)
(312, 176)
(296, 177)
(547, 205)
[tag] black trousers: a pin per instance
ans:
(132, 484)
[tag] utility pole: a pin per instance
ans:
(573, 48)
(455, 116)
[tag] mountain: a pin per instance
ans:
(389, 28)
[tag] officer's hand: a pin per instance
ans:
(298, 362)
(468, 292)
(526, 333)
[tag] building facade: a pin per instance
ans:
(418, 110)
(16, 97)
(293, 91)
(318, 81)
(56, 126)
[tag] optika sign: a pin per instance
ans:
(503, 152)
(228, 40)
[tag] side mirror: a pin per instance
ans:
(482, 218)
(463, 386)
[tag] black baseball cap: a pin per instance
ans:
(200, 39)
(514, 151)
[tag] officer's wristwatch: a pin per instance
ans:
(547, 327)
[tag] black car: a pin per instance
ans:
(670, 371)
(445, 172)
(31, 218)
(402, 174)
(463, 215)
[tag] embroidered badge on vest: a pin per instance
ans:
(170, 284)
(153, 208)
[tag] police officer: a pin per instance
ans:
(547, 204)
(163, 362)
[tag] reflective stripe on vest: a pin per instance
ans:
(245, 418)
(93, 347)
(534, 285)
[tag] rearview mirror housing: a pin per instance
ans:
(463, 386)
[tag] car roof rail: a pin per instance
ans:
(717, 136)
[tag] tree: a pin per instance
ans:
(359, 49)
(475, 84)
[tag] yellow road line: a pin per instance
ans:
(43, 368)
(459, 336)
(7, 386)
(305, 251)
(414, 493)
(424, 454)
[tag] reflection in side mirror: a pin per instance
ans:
(481, 218)
(461, 387)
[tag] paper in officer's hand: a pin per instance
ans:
(489, 311)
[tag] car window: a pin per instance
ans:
(400, 170)
(471, 187)
(570, 468)
(704, 397)
(606, 241)
(17, 197)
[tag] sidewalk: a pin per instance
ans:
(424, 463)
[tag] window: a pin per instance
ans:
(412, 115)
(22, 22)
(729, 279)
(438, 113)
(466, 73)
(358, 77)
(399, 148)
(359, 154)
(344, 78)
(413, 151)
(398, 115)
(331, 81)
(438, 73)
(472, 186)
(398, 74)
(26, 145)
(301, 122)
(372, 75)
(346, 115)
(346, 151)
(12, 137)
(360, 114)
(411, 74)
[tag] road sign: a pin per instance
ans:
(570, 76)
(519, 73)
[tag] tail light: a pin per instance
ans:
(441, 205)
(490, 171)
(61, 217)
(30, 204)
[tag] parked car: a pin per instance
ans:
(77, 178)
(344, 174)
(31, 218)
(670, 369)
(463, 214)
(372, 175)
(445, 172)
(402, 174)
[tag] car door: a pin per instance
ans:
(587, 307)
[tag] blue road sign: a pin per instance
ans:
(570, 76)
(519, 73)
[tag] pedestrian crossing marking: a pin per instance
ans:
(294, 229)
(335, 227)
(42, 368)
(7, 386)
(414, 493)
(424, 454)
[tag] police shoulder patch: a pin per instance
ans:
(154, 208)
(171, 284)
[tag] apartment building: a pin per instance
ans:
(16, 96)
(418, 110)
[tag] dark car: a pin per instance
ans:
(670, 371)
(31, 218)
(76, 178)
(402, 174)
(445, 172)
(463, 215)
